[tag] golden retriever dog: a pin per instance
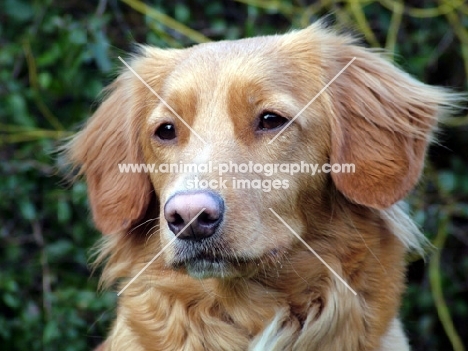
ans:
(289, 260)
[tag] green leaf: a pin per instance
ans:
(28, 210)
(59, 249)
(63, 211)
(17, 106)
(447, 181)
(21, 11)
(51, 331)
(11, 300)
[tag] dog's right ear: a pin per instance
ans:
(109, 138)
(118, 199)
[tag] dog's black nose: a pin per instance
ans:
(182, 208)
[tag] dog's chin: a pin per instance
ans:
(203, 269)
(221, 268)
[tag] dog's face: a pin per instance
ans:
(233, 115)
(225, 103)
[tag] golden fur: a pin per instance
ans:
(278, 295)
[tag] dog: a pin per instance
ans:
(301, 262)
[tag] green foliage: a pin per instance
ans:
(55, 58)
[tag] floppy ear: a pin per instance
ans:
(382, 123)
(112, 137)
(117, 199)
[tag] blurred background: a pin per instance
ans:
(56, 56)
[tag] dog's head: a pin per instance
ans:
(277, 100)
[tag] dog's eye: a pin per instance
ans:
(166, 131)
(269, 120)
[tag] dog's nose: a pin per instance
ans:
(182, 208)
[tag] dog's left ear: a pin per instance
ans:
(382, 123)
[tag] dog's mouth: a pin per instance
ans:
(208, 265)
(215, 261)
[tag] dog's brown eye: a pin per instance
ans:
(166, 132)
(269, 120)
